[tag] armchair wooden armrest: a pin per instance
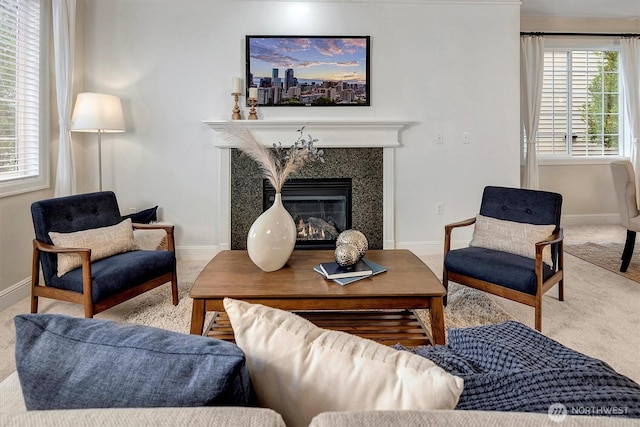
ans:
(169, 229)
(45, 247)
(463, 223)
(85, 257)
(556, 237)
(449, 228)
(558, 275)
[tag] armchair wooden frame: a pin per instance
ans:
(514, 295)
(84, 298)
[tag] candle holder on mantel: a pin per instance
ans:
(236, 109)
(252, 111)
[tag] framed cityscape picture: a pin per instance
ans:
(308, 70)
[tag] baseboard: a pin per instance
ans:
(196, 253)
(590, 219)
(431, 247)
(15, 293)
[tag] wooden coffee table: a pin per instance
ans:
(380, 307)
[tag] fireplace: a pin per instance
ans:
(358, 147)
(363, 167)
(320, 208)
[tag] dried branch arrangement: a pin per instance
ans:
(277, 163)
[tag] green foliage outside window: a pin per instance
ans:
(600, 113)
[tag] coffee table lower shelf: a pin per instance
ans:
(385, 327)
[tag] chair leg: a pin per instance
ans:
(35, 276)
(561, 268)
(561, 290)
(34, 304)
(88, 312)
(445, 283)
(627, 253)
(174, 288)
(538, 314)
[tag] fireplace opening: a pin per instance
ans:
(321, 209)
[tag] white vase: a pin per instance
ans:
(272, 237)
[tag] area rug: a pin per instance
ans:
(607, 256)
(468, 307)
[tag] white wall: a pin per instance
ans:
(449, 68)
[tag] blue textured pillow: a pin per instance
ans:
(66, 363)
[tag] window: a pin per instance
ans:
(580, 104)
(23, 153)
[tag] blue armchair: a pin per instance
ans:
(98, 284)
(517, 249)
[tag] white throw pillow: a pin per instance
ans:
(301, 370)
(103, 242)
(513, 237)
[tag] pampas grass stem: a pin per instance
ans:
(276, 168)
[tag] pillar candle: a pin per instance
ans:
(237, 85)
(253, 92)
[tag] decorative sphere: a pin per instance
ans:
(346, 255)
(355, 238)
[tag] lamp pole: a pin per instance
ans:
(100, 156)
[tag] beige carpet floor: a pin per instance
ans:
(607, 256)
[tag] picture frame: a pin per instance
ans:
(303, 71)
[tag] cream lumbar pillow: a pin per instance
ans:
(513, 237)
(301, 370)
(103, 242)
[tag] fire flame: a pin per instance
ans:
(309, 232)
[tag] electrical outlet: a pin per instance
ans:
(439, 208)
(465, 137)
(439, 138)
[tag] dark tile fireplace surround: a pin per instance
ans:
(363, 165)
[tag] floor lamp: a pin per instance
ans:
(97, 113)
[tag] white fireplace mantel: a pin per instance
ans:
(329, 133)
(354, 133)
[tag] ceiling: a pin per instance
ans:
(627, 9)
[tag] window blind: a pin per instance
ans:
(580, 104)
(19, 89)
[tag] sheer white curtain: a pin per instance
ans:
(64, 33)
(630, 70)
(531, 73)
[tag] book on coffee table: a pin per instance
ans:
(332, 270)
(375, 269)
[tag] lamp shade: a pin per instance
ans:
(97, 112)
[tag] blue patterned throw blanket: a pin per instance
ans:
(511, 367)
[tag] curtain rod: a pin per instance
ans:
(581, 34)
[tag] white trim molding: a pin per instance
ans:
(330, 133)
(15, 293)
